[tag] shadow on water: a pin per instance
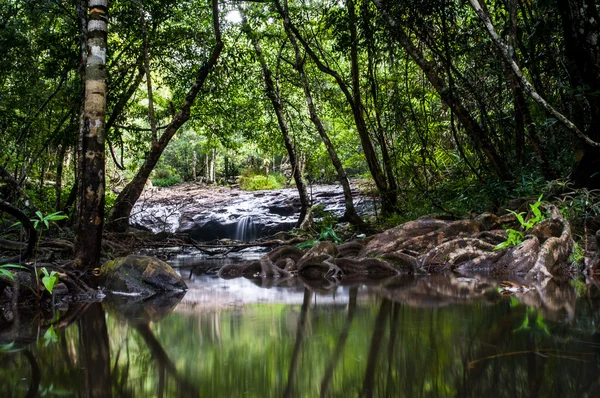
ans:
(436, 336)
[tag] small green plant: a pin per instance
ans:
(537, 215)
(6, 273)
(308, 244)
(45, 220)
(516, 237)
(50, 336)
(327, 234)
(49, 279)
(578, 254)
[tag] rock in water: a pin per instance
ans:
(140, 276)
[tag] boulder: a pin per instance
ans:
(140, 276)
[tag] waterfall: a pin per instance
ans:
(245, 229)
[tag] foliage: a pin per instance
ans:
(577, 204)
(166, 182)
(435, 158)
(577, 255)
(515, 237)
(249, 181)
(45, 220)
(326, 234)
(49, 279)
(323, 219)
(4, 270)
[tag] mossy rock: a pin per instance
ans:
(140, 276)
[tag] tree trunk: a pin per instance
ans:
(379, 129)
(147, 71)
(119, 216)
(433, 72)
(581, 34)
(388, 198)
(529, 89)
(388, 195)
(59, 171)
(350, 214)
(194, 165)
(95, 352)
(274, 97)
(90, 210)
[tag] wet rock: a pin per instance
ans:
(207, 214)
(140, 276)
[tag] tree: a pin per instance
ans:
(350, 214)
(353, 97)
(119, 216)
(90, 210)
(275, 99)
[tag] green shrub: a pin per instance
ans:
(256, 182)
(166, 182)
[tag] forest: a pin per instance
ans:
(432, 167)
(448, 107)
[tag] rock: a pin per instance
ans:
(143, 310)
(207, 214)
(140, 276)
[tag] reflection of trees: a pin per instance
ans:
(186, 389)
(339, 348)
(375, 347)
(93, 340)
(299, 340)
(36, 376)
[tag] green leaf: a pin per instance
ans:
(539, 322)
(501, 246)
(56, 216)
(49, 280)
(7, 274)
(524, 325)
(8, 347)
(307, 245)
(50, 336)
(13, 266)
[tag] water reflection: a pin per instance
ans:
(425, 337)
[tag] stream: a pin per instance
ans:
(448, 335)
(451, 336)
(206, 213)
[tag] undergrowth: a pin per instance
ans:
(249, 181)
(166, 182)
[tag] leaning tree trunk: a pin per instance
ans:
(351, 214)
(275, 99)
(119, 216)
(434, 74)
(388, 197)
(529, 89)
(90, 211)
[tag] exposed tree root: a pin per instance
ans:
(426, 246)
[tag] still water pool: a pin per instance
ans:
(444, 336)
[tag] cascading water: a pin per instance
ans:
(245, 230)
